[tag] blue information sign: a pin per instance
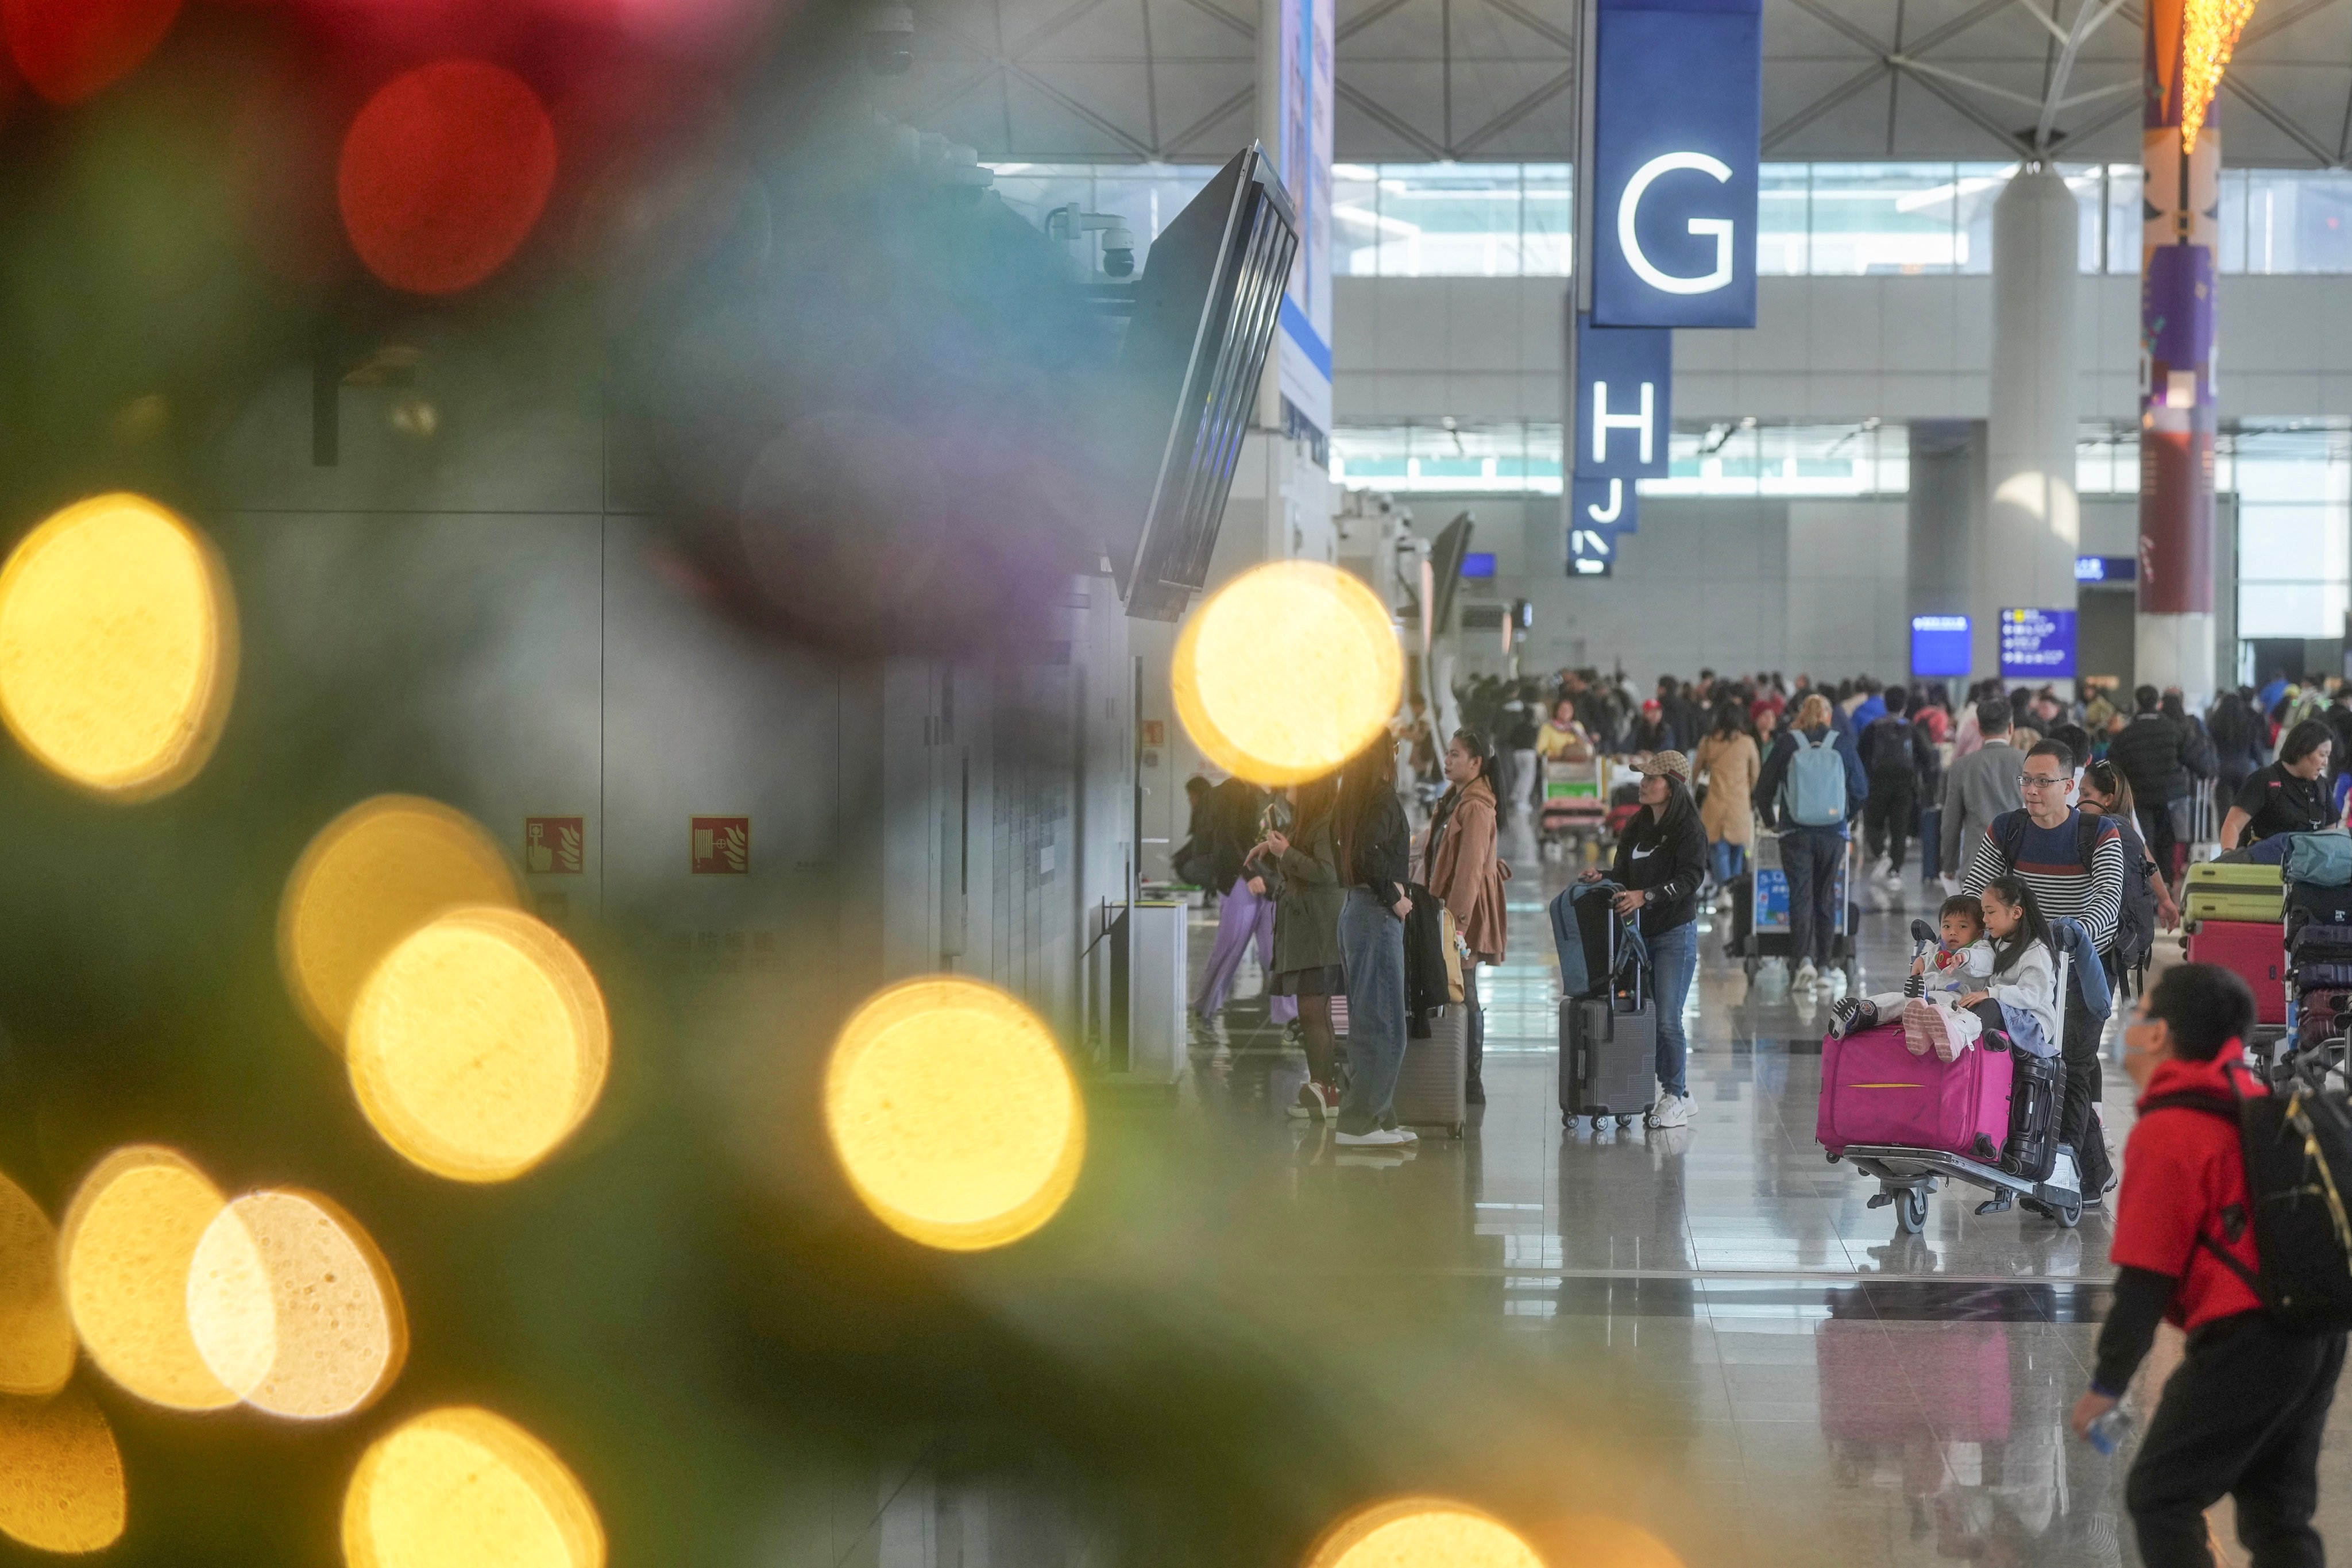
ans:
(1478, 563)
(2106, 568)
(1592, 550)
(1624, 385)
(1940, 646)
(1603, 503)
(2037, 644)
(1677, 135)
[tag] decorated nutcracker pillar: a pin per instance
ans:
(2187, 46)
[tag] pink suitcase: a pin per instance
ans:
(1874, 1090)
(1884, 1384)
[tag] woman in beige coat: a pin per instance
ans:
(1461, 867)
(1727, 762)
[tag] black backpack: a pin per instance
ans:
(2298, 1150)
(1886, 745)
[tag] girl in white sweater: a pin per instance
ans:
(2018, 997)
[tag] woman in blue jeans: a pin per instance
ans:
(1375, 861)
(1661, 863)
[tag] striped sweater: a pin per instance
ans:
(2049, 861)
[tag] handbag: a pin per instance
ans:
(1453, 938)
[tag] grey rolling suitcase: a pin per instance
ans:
(1609, 1047)
(1430, 1083)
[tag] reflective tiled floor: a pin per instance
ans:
(1833, 1391)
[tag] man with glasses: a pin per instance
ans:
(2075, 864)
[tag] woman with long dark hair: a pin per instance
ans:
(2238, 745)
(1461, 867)
(1661, 863)
(1303, 865)
(1375, 847)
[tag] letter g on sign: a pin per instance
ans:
(1629, 207)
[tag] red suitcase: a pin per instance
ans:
(2256, 949)
(1884, 1384)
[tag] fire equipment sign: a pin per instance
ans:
(721, 846)
(555, 846)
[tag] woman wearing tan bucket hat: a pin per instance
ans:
(1661, 862)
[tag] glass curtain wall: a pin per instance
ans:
(1523, 457)
(1511, 220)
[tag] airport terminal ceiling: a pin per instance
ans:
(1421, 80)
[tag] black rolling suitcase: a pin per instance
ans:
(2037, 1086)
(1608, 1042)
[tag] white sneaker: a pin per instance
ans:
(1672, 1110)
(1407, 1133)
(1806, 975)
(1378, 1138)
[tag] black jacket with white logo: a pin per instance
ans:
(1666, 860)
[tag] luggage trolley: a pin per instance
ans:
(1764, 934)
(1575, 799)
(1906, 1175)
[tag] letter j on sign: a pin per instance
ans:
(1677, 133)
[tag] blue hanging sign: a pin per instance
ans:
(1625, 413)
(1603, 503)
(2037, 645)
(1677, 137)
(1592, 550)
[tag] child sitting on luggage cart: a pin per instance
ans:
(1962, 963)
(2016, 995)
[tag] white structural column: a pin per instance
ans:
(2025, 556)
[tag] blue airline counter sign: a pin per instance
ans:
(1677, 137)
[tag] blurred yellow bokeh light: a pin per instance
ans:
(953, 1114)
(118, 647)
(372, 876)
(127, 1241)
(60, 1474)
(1423, 1533)
(1286, 671)
(293, 1308)
(1603, 1540)
(478, 1043)
(460, 1488)
(36, 1336)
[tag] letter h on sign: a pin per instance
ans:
(1677, 136)
(1624, 382)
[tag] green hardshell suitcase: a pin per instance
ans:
(2218, 891)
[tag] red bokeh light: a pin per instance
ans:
(443, 174)
(68, 49)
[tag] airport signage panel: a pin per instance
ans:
(1624, 402)
(2037, 645)
(2106, 568)
(1677, 137)
(1592, 550)
(1940, 646)
(1603, 503)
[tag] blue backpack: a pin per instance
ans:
(1814, 795)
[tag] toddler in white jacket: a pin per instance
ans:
(1998, 969)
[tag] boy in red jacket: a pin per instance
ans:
(2243, 1414)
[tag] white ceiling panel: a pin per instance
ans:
(1473, 79)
